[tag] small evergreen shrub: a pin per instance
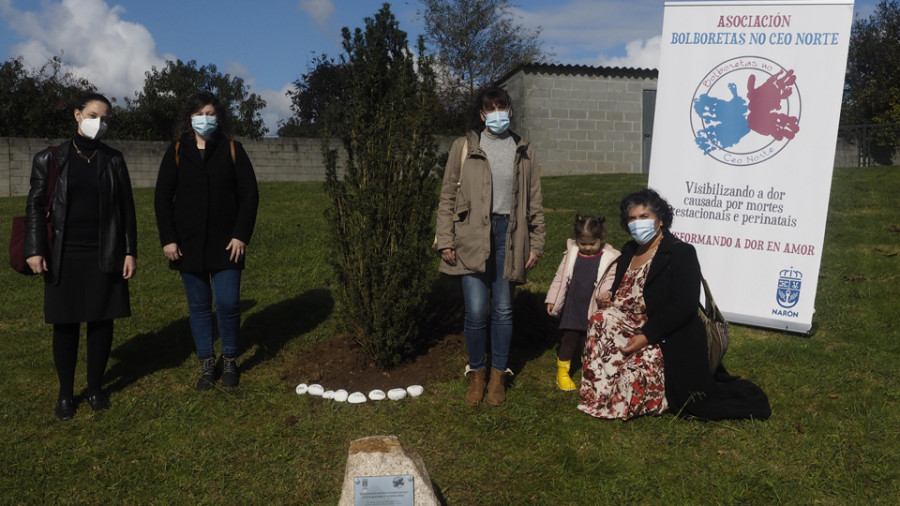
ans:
(382, 205)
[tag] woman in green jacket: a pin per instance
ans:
(490, 231)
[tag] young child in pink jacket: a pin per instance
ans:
(586, 271)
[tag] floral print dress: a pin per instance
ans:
(613, 385)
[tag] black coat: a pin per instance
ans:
(672, 296)
(117, 227)
(202, 203)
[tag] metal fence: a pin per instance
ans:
(866, 145)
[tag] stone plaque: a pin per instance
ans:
(383, 490)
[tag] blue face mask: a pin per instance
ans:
(497, 121)
(204, 125)
(643, 231)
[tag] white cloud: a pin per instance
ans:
(278, 107)
(96, 42)
(319, 10)
(588, 31)
(642, 54)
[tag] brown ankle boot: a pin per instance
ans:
(496, 390)
(476, 385)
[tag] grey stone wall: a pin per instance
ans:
(301, 159)
(273, 160)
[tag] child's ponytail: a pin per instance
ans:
(587, 225)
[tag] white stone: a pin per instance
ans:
(316, 389)
(396, 394)
(376, 395)
(340, 395)
(301, 389)
(329, 394)
(356, 398)
(386, 456)
(415, 390)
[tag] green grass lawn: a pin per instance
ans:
(833, 437)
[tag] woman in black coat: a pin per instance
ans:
(206, 203)
(94, 251)
(670, 289)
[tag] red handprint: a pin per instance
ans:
(766, 99)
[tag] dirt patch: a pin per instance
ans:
(338, 362)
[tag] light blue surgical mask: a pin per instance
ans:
(204, 125)
(497, 121)
(643, 231)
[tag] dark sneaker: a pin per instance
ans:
(208, 373)
(230, 373)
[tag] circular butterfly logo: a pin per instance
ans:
(745, 110)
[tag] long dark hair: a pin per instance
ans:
(653, 201)
(199, 101)
(488, 97)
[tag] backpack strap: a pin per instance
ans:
(465, 152)
(230, 142)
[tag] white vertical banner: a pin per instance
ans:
(747, 112)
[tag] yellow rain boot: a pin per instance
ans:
(563, 380)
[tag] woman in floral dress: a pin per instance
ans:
(646, 348)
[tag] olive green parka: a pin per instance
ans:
(464, 211)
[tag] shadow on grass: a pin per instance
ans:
(534, 331)
(145, 354)
(270, 330)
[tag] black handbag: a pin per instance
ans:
(718, 334)
(17, 237)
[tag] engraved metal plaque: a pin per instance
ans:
(383, 490)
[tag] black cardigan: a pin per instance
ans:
(672, 296)
(202, 203)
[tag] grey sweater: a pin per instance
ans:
(501, 155)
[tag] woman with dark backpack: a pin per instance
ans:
(206, 203)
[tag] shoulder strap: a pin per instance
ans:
(51, 184)
(462, 159)
(177, 145)
(233, 156)
(465, 152)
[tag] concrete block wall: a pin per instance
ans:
(580, 123)
(277, 159)
(585, 150)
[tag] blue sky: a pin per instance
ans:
(269, 43)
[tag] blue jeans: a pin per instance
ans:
(489, 299)
(199, 288)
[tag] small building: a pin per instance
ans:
(583, 119)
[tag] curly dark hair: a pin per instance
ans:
(199, 101)
(590, 226)
(653, 201)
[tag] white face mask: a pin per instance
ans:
(93, 128)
